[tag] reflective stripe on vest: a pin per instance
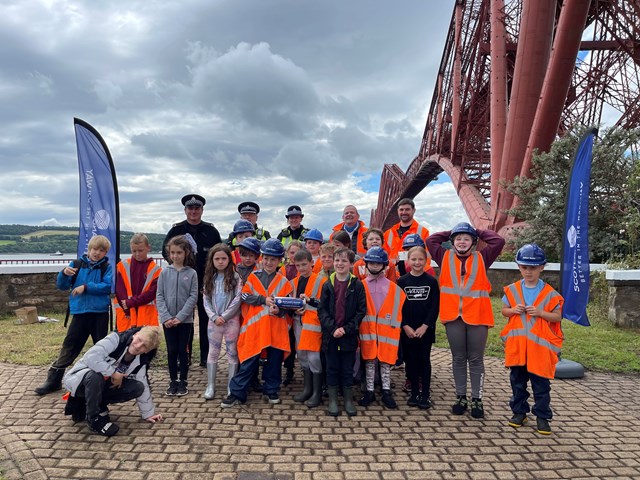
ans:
(464, 291)
(260, 329)
(529, 324)
(376, 328)
(311, 332)
(142, 314)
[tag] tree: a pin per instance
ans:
(614, 199)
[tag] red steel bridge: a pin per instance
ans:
(514, 76)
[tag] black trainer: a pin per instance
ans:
(424, 403)
(518, 420)
(272, 398)
(414, 398)
(181, 389)
(388, 400)
(477, 408)
(543, 426)
(460, 406)
(367, 399)
(172, 389)
(103, 426)
(230, 401)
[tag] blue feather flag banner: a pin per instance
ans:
(574, 269)
(99, 205)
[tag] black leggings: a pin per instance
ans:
(177, 339)
(417, 360)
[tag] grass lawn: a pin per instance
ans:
(601, 347)
(7, 242)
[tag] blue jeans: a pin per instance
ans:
(541, 387)
(271, 374)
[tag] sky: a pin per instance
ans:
(281, 102)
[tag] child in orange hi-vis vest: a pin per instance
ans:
(465, 307)
(532, 338)
(264, 327)
(308, 333)
(136, 286)
(380, 329)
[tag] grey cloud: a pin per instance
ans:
(249, 83)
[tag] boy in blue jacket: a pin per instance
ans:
(89, 279)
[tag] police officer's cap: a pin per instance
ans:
(248, 207)
(294, 210)
(193, 200)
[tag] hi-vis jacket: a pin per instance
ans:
(393, 242)
(380, 332)
(259, 328)
(466, 297)
(531, 341)
(359, 247)
(311, 334)
(142, 314)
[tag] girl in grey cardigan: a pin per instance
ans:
(176, 298)
(222, 292)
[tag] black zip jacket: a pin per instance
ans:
(355, 310)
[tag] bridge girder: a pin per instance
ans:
(511, 81)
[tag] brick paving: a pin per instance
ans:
(596, 435)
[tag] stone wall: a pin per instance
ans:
(36, 286)
(31, 290)
(624, 297)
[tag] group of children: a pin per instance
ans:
(348, 316)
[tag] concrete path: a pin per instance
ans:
(596, 434)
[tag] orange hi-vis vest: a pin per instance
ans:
(311, 333)
(380, 331)
(469, 297)
(259, 328)
(531, 341)
(360, 249)
(317, 266)
(143, 314)
(393, 243)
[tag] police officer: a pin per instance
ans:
(295, 230)
(205, 236)
(249, 211)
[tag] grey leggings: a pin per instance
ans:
(467, 344)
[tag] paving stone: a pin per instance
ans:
(199, 440)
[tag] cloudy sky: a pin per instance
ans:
(281, 102)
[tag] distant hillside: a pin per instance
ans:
(50, 239)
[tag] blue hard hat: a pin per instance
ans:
(376, 255)
(531, 254)
(242, 226)
(314, 234)
(412, 240)
(272, 247)
(251, 243)
(463, 227)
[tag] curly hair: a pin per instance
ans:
(182, 243)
